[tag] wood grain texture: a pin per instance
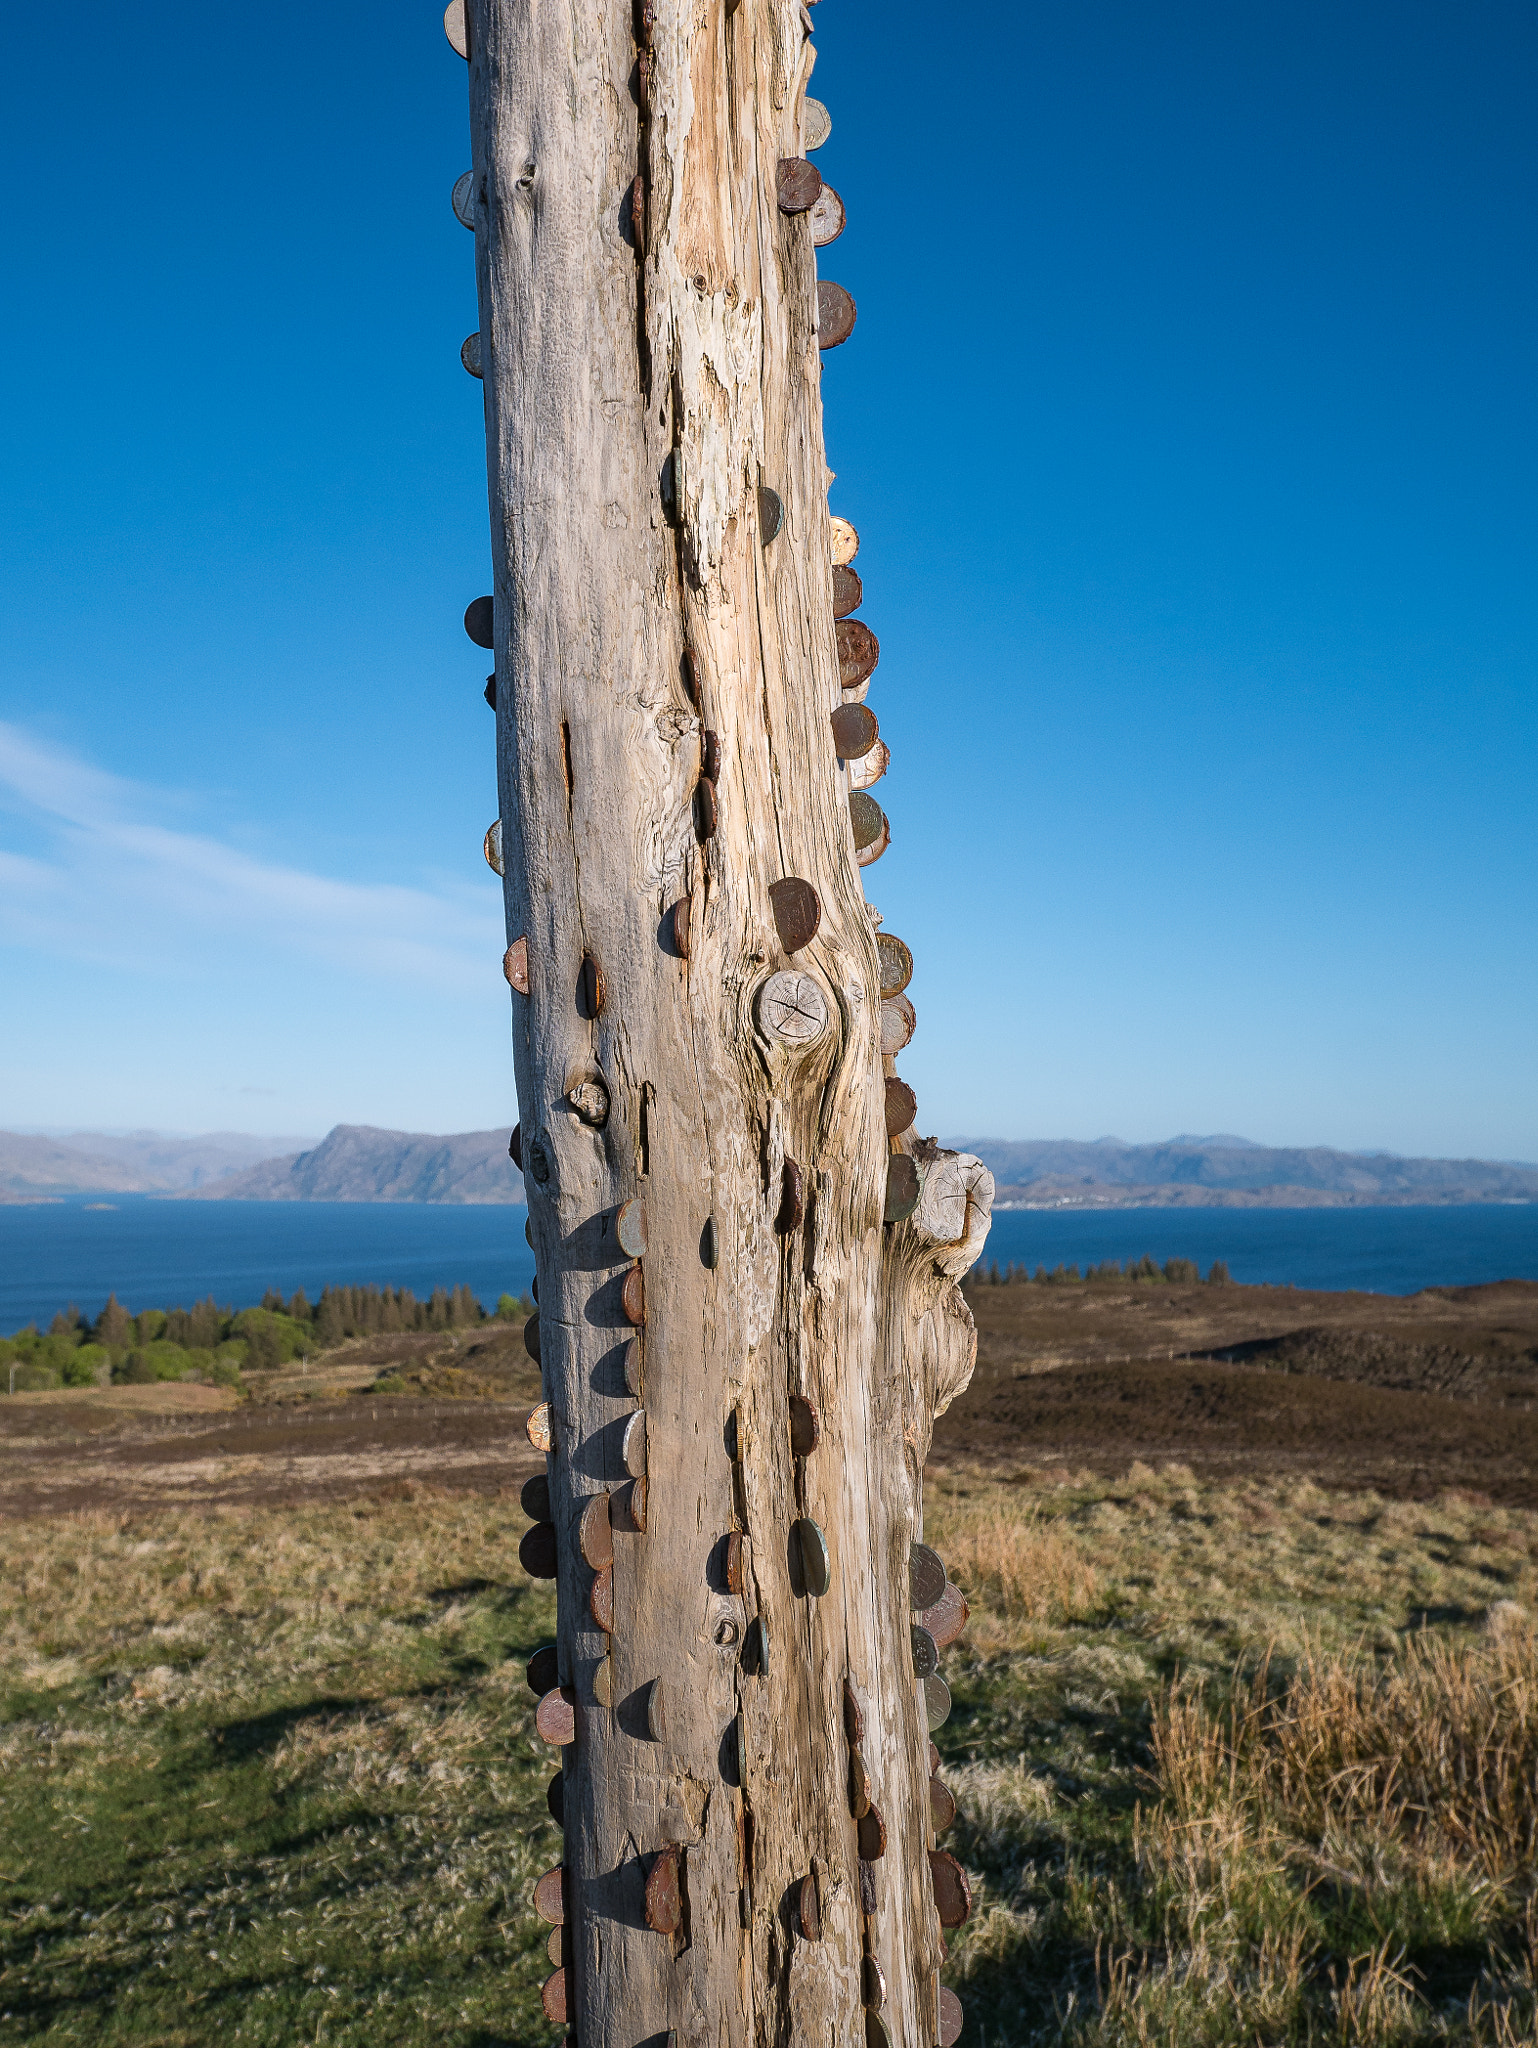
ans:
(607, 367)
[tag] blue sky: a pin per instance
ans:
(1189, 428)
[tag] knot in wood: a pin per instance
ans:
(792, 1008)
(590, 1102)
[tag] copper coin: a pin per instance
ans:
(595, 1533)
(656, 1712)
(797, 184)
(854, 1717)
(589, 988)
(555, 1948)
(638, 1488)
(633, 1367)
(515, 966)
(792, 1200)
(681, 927)
(844, 540)
(556, 1717)
(555, 1799)
(601, 1600)
(942, 1805)
(531, 1338)
(537, 1551)
(771, 514)
(470, 354)
(953, 1894)
(901, 1107)
(535, 1499)
(859, 1785)
(835, 314)
(871, 1835)
(805, 1426)
(848, 592)
(827, 218)
(664, 1902)
(797, 911)
(491, 846)
(710, 756)
(865, 816)
(902, 1188)
(632, 1297)
(809, 1908)
(550, 1896)
(816, 1570)
(541, 1672)
(515, 1147)
(478, 621)
(937, 1701)
(734, 1561)
(926, 1575)
(816, 122)
(926, 1656)
(855, 731)
(872, 1985)
(552, 1997)
(865, 855)
(896, 963)
(633, 1445)
(462, 199)
(947, 1617)
(934, 1759)
(948, 2026)
(630, 1227)
(705, 809)
(858, 651)
(539, 1429)
(899, 1021)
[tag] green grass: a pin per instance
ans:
(270, 1776)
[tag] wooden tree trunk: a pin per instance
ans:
(685, 1044)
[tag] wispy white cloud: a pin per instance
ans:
(100, 877)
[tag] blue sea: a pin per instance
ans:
(161, 1254)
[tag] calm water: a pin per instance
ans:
(159, 1254)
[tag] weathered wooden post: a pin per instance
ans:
(748, 1315)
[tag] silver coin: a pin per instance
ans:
(827, 218)
(816, 124)
(462, 199)
(937, 1700)
(926, 1654)
(926, 1575)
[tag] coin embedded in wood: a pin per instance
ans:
(792, 1199)
(872, 1984)
(895, 962)
(942, 1805)
(901, 1107)
(809, 1908)
(603, 1681)
(869, 1898)
(632, 1297)
(638, 1504)
(937, 1701)
(797, 184)
(470, 354)
(816, 1571)
(835, 314)
(515, 966)
(490, 692)
(638, 210)
(792, 1007)
(736, 1566)
(589, 988)
(859, 1785)
(633, 1367)
(855, 731)
(478, 621)
(710, 1244)
(827, 219)
(556, 1717)
(595, 1533)
(633, 1445)
(656, 1712)
(797, 911)
(456, 28)
(535, 1502)
(550, 1896)
(854, 1717)
(877, 2033)
(692, 675)
(538, 1428)
(947, 1617)
(462, 199)
(848, 592)
(552, 1996)
(816, 123)
(805, 1426)
(761, 1645)
(866, 818)
(710, 756)
(871, 1835)
(541, 1670)
(601, 1600)
(858, 651)
(845, 540)
(953, 1894)
(531, 1338)
(630, 1227)
(681, 927)
(926, 1575)
(555, 1799)
(491, 846)
(866, 855)
(948, 2025)
(870, 767)
(926, 1654)
(555, 1948)
(705, 809)
(771, 514)
(664, 1901)
(537, 1552)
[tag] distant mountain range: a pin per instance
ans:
(357, 1163)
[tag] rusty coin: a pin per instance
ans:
(848, 591)
(926, 1656)
(735, 1575)
(854, 1717)
(692, 674)
(953, 1894)
(630, 1227)
(899, 1021)
(555, 1799)
(552, 1997)
(478, 621)
(947, 1617)
(901, 1107)
(541, 1671)
(865, 816)
(589, 988)
(633, 1445)
(949, 2018)
(942, 1805)
(854, 731)
(656, 1712)
(871, 1834)
(633, 1367)
(827, 218)
(638, 210)
(858, 651)
(664, 1903)
(816, 122)
(844, 539)
(515, 965)
(538, 1428)
(457, 28)
(835, 314)
(816, 1570)
(797, 184)
(859, 1786)
(537, 1553)
(462, 199)
(771, 514)
(550, 1896)
(632, 1297)
(470, 354)
(797, 912)
(705, 809)
(710, 756)
(869, 1891)
(792, 1200)
(535, 1502)
(937, 1701)
(556, 1716)
(681, 927)
(896, 963)
(926, 1575)
(809, 1908)
(601, 1600)
(595, 1533)
(805, 1426)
